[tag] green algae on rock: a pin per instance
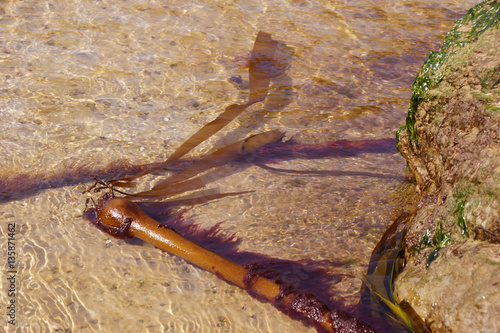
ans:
(465, 31)
(456, 160)
(451, 142)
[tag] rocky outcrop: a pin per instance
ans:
(451, 142)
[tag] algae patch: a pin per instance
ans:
(462, 223)
(465, 190)
(466, 30)
(440, 240)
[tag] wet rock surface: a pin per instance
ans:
(451, 142)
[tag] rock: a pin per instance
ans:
(451, 142)
(454, 298)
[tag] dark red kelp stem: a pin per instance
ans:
(123, 218)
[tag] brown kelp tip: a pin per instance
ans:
(122, 218)
(304, 306)
(91, 214)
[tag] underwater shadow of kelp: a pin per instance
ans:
(307, 275)
(125, 217)
(21, 185)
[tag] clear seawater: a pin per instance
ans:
(89, 83)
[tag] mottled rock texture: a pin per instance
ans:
(451, 142)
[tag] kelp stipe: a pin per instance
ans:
(122, 218)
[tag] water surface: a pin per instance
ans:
(94, 82)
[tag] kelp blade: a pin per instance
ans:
(377, 296)
(260, 72)
(261, 66)
(217, 158)
(188, 179)
(208, 130)
(165, 192)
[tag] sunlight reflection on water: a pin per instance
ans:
(99, 81)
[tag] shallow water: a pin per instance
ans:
(94, 82)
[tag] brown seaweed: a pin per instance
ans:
(123, 219)
(186, 180)
(263, 67)
(386, 261)
(260, 74)
(20, 185)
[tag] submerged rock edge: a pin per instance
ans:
(451, 142)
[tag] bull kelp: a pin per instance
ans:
(123, 218)
(98, 90)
